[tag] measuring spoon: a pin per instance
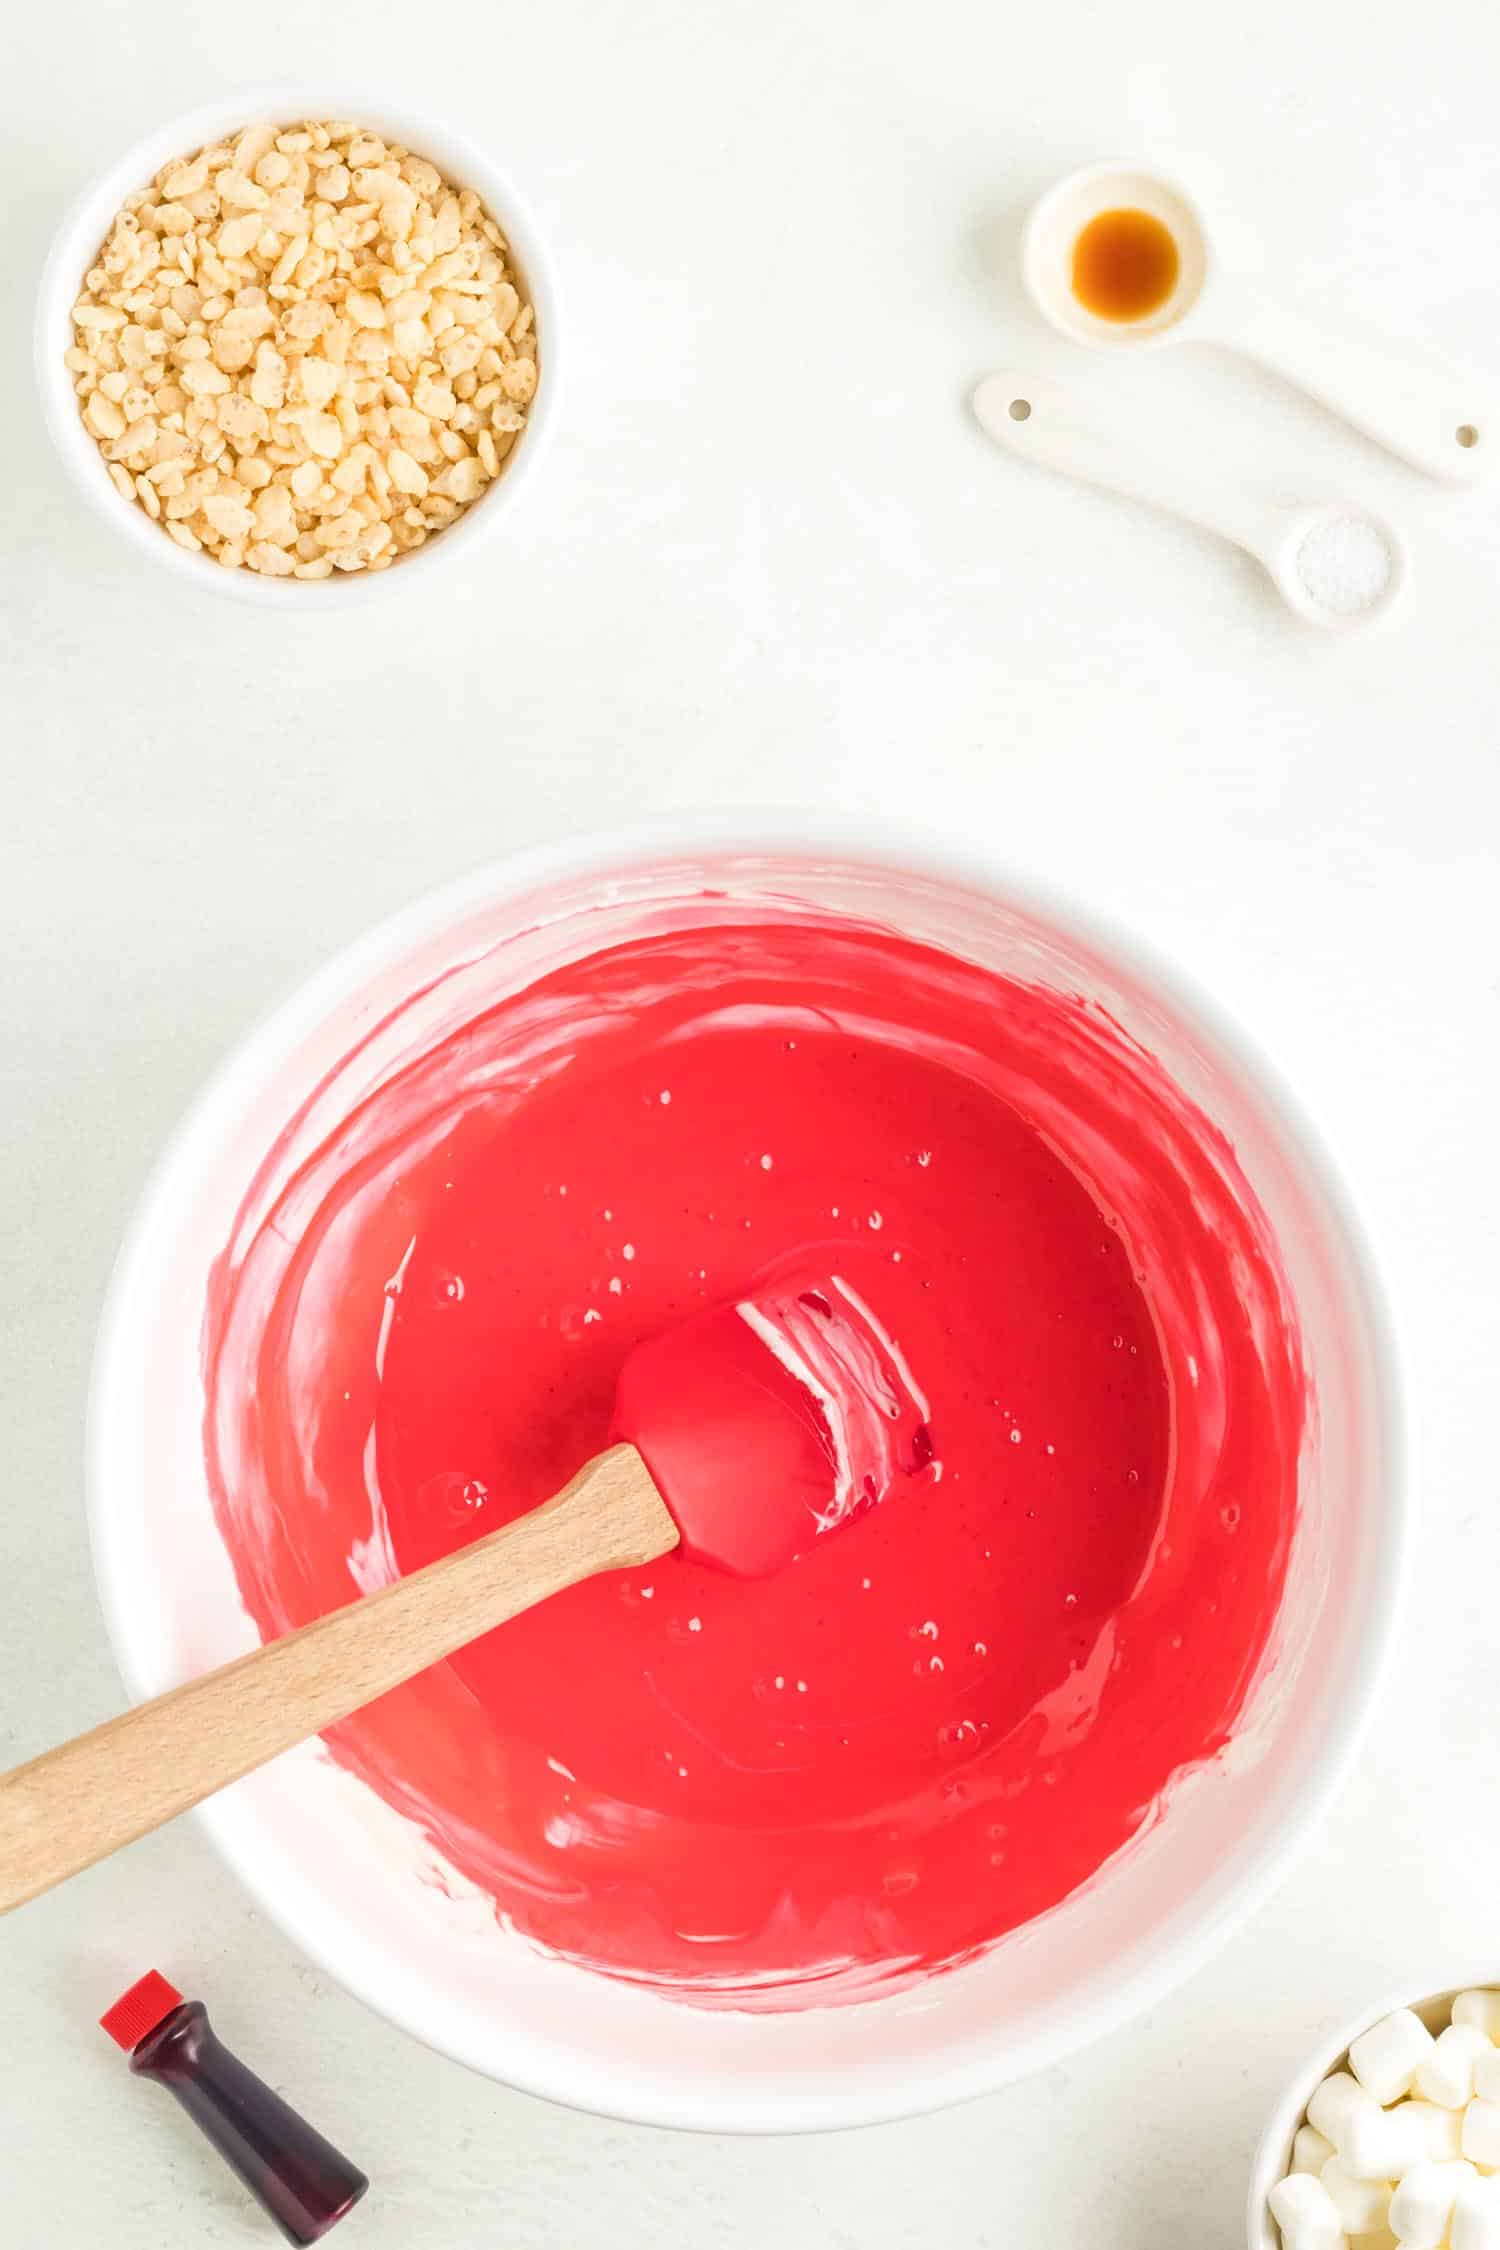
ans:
(1420, 410)
(1333, 564)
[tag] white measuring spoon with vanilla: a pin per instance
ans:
(1333, 564)
(1119, 257)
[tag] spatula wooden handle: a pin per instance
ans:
(76, 1804)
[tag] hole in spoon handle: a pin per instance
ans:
(1427, 414)
(1095, 441)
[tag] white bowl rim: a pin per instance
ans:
(83, 228)
(1271, 2155)
(589, 2081)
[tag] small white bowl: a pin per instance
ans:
(1275, 2152)
(76, 248)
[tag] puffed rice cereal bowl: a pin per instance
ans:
(291, 346)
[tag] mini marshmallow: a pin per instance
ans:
(1482, 2133)
(1447, 2076)
(1362, 2205)
(1386, 2058)
(1332, 2104)
(1382, 2144)
(1487, 2074)
(1476, 2216)
(1310, 2152)
(1422, 2205)
(1481, 2010)
(1307, 2216)
(1443, 2127)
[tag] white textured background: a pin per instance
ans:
(770, 560)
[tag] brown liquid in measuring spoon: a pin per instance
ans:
(1125, 265)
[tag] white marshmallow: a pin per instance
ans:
(1481, 2010)
(1482, 2133)
(1383, 2144)
(1332, 2103)
(1386, 2058)
(1447, 2076)
(1443, 2127)
(1422, 2205)
(1487, 2074)
(1476, 2216)
(1305, 2212)
(1310, 2152)
(1362, 2205)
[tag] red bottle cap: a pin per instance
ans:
(138, 2012)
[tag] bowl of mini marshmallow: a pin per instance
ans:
(1390, 2139)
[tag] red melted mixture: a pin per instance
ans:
(940, 1722)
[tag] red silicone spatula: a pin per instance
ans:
(743, 1436)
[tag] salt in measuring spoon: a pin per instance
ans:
(1421, 411)
(1335, 565)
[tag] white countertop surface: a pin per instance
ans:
(771, 560)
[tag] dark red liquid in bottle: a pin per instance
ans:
(299, 2179)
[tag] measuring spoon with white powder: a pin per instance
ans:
(1335, 565)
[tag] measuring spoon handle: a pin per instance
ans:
(1099, 447)
(1425, 413)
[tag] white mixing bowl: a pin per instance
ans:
(351, 1882)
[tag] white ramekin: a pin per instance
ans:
(76, 247)
(352, 1883)
(1275, 2151)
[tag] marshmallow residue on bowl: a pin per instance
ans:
(1404, 2145)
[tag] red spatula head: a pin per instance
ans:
(769, 1423)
